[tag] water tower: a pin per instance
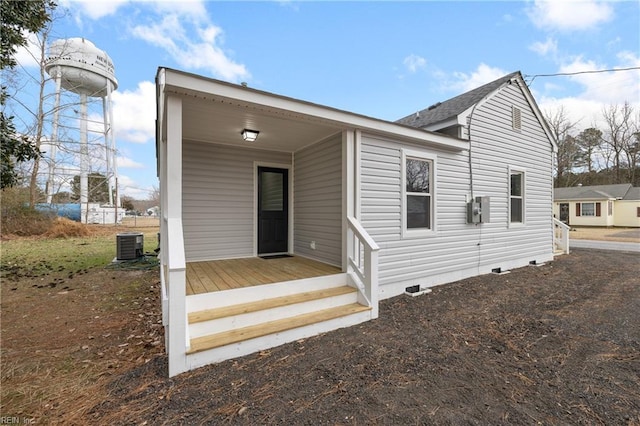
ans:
(77, 65)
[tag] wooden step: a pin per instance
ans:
(217, 340)
(244, 308)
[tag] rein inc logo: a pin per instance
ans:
(15, 420)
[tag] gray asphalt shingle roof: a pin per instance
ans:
(633, 194)
(451, 108)
(617, 191)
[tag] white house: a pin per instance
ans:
(282, 219)
(598, 205)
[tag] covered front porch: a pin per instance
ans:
(220, 275)
(228, 203)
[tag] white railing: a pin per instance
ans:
(561, 235)
(362, 269)
(173, 277)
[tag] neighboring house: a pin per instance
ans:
(303, 229)
(599, 205)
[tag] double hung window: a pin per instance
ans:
(418, 174)
(516, 196)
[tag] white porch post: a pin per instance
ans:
(174, 246)
(348, 208)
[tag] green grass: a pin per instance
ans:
(40, 257)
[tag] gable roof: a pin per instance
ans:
(456, 110)
(443, 111)
(597, 192)
(633, 194)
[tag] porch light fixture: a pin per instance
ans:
(249, 135)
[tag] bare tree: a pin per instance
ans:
(33, 111)
(631, 148)
(154, 196)
(39, 119)
(568, 152)
(618, 135)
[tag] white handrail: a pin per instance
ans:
(561, 235)
(362, 234)
(176, 303)
(362, 265)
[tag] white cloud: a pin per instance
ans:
(94, 9)
(131, 188)
(134, 113)
(584, 112)
(197, 50)
(28, 56)
(597, 91)
(550, 46)
(607, 87)
(182, 28)
(193, 8)
(482, 75)
(128, 163)
(414, 62)
(569, 15)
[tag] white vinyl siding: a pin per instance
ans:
(218, 199)
(459, 249)
(318, 201)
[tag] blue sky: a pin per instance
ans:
(382, 59)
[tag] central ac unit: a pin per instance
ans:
(130, 246)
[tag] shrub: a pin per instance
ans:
(66, 228)
(17, 218)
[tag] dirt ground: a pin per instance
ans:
(552, 344)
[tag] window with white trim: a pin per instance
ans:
(516, 196)
(588, 209)
(418, 171)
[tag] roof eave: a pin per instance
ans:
(179, 82)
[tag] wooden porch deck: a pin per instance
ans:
(216, 275)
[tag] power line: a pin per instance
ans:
(559, 74)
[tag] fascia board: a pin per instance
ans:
(454, 121)
(181, 83)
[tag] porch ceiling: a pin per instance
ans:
(221, 121)
(216, 112)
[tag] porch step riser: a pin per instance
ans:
(201, 302)
(254, 318)
(250, 346)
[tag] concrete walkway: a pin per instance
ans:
(605, 245)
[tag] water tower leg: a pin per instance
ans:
(107, 146)
(112, 144)
(84, 160)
